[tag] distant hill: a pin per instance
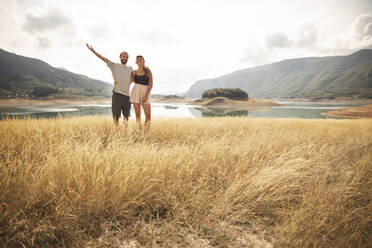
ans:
(314, 77)
(32, 78)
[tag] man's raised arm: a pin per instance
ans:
(97, 54)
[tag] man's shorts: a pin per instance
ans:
(120, 103)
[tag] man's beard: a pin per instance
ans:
(124, 61)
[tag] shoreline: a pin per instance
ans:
(38, 102)
(352, 113)
(336, 100)
(170, 100)
(218, 102)
(222, 102)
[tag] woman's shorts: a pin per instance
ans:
(138, 92)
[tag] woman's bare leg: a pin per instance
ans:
(137, 109)
(147, 110)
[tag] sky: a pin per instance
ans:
(182, 41)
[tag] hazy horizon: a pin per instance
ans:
(182, 42)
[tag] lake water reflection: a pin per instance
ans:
(180, 110)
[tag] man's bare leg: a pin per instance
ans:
(125, 122)
(116, 122)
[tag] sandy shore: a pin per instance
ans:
(336, 100)
(222, 102)
(24, 102)
(354, 112)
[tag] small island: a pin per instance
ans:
(230, 98)
(218, 98)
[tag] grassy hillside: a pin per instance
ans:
(323, 77)
(217, 182)
(32, 78)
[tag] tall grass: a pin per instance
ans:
(225, 182)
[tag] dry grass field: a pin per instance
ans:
(215, 182)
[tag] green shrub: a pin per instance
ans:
(228, 93)
(42, 91)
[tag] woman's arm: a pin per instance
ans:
(149, 86)
(132, 76)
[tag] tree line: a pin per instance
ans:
(232, 93)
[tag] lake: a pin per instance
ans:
(180, 110)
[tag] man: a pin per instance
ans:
(122, 77)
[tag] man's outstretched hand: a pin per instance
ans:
(97, 54)
(89, 47)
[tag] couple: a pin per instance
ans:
(123, 76)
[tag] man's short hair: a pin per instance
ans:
(124, 52)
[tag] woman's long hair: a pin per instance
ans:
(145, 68)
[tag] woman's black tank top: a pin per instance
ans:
(141, 79)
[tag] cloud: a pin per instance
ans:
(256, 55)
(303, 36)
(50, 26)
(307, 35)
(156, 37)
(357, 36)
(50, 21)
(44, 42)
(279, 45)
(99, 29)
(277, 40)
(28, 3)
(361, 28)
(306, 41)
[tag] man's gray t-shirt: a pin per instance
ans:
(122, 76)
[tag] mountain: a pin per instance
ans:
(314, 77)
(28, 77)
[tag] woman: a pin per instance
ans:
(142, 77)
